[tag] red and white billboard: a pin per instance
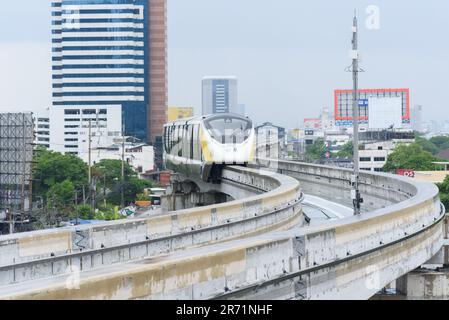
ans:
(312, 123)
(343, 101)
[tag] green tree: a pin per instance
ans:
(52, 168)
(347, 150)
(441, 142)
(61, 200)
(108, 213)
(84, 211)
(110, 171)
(427, 145)
(411, 157)
(132, 187)
(59, 179)
(444, 192)
(317, 150)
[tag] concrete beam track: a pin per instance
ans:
(352, 258)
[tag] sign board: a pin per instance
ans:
(406, 173)
(128, 211)
(385, 112)
(363, 102)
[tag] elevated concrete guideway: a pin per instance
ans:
(348, 258)
(331, 210)
(48, 253)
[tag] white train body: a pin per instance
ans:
(199, 147)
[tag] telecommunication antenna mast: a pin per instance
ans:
(355, 192)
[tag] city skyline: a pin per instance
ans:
(300, 68)
(228, 150)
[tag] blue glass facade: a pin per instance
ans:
(101, 58)
(220, 96)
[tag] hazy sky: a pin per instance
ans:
(288, 55)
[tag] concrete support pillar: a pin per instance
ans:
(446, 227)
(401, 285)
(446, 257)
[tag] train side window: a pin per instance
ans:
(165, 139)
(178, 150)
(187, 140)
(181, 140)
(173, 139)
(199, 145)
(191, 140)
(168, 139)
(195, 142)
(200, 153)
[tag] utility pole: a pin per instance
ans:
(123, 168)
(92, 200)
(104, 189)
(89, 153)
(84, 194)
(76, 206)
(355, 192)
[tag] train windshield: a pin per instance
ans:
(229, 128)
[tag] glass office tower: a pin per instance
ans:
(102, 56)
(219, 95)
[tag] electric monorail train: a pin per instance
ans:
(199, 147)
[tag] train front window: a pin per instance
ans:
(229, 129)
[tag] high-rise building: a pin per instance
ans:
(71, 127)
(219, 95)
(42, 128)
(111, 53)
(327, 121)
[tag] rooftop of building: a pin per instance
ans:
(269, 124)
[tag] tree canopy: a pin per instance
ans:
(434, 145)
(444, 192)
(61, 199)
(412, 157)
(111, 171)
(317, 150)
(51, 168)
(131, 188)
(441, 142)
(427, 145)
(347, 150)
(61, 180)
